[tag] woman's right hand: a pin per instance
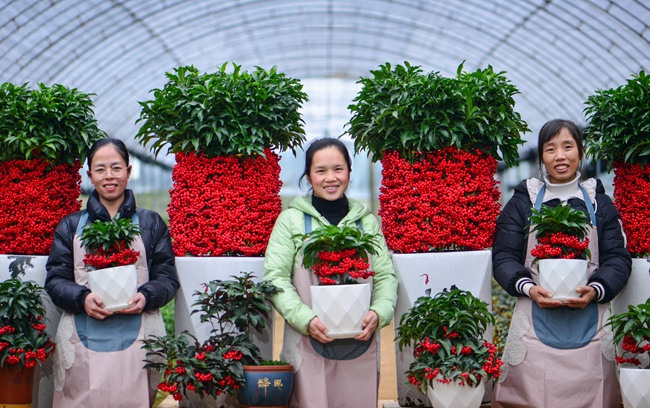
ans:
(543, 298)
(318, 331)
(94, 306)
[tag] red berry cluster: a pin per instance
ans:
(26, 356)
(118, 255)
(631, 196)
(335, 266)
(630, 346)
(225, 205)
(560, 246)
(447, 200)
(34, 196)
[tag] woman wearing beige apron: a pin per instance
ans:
(98, 362)
(342, 373)
(558, 354)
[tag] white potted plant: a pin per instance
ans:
(339, 257)
(632, 336)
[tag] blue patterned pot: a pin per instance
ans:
(266, 386)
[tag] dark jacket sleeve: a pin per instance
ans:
(615, 261)
(509, 249)
(163, 278)
(59, 282)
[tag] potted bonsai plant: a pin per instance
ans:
(339, 257)
(632, 335)
(618, 132)
(226, 129)
(452, 359)
(439, 140)
(562, 249)
(233, 309)
(24, 343)
(109, 260)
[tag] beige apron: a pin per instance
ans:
(86, 375)
(554, 362)
(329, 383)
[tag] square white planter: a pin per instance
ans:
(32, 268)
(115, 286)
(420, 274)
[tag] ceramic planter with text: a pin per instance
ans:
(340, 259)
(267, 385)
(439, 140)
(234, 309)
(111, 263)
(562, 249)
(618, 133)
(447, 335)
(632, 335)
(24, 343)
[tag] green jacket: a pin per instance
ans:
(282, 259)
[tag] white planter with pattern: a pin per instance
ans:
(341, 308)
(453, 395)
(562, 276)
(115, 286)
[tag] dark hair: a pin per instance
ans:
(320, 144)
(116, 143)
(551, 129)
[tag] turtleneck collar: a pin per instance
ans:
(333, 211)
(97, 211)
(564, 191)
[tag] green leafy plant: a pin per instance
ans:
(632, 330)
(408, 111)
(234, 308)
(23, 339)
(56, 123)
(107, 242)
(619, 123)
(446, 334)
(273, 363)
(338, 255)
(224, 113)
(561, 232)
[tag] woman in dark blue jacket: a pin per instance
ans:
(98, 360)
(557, 352)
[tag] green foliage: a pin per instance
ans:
(168, 317)
(119, 232)
(56, 123)
(233, 308)
(619, 122)
(273, 363)
(452, 319)
(405, 110)
(503, 305)
(561, 218)
(21, 312)
(635, 324)
(221, 113)
(334, 238)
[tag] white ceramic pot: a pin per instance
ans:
(115, 286)
(635, 387)
(453, 395)
(428, 274)
(341, 308)
(563, 276)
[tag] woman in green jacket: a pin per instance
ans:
(329, 373)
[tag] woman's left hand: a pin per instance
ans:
(370, 323)
(588, 294)
(137, 303)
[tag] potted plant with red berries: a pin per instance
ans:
(226, 129)
(339, 257)
(109, 260)
(632, 335)
(24, 343)
(562, 249)
(233, 309)
(439, 140)
(452, 360)
(617, 133)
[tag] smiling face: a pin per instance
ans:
(329, 174)
(109, 174)
(561, 157)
